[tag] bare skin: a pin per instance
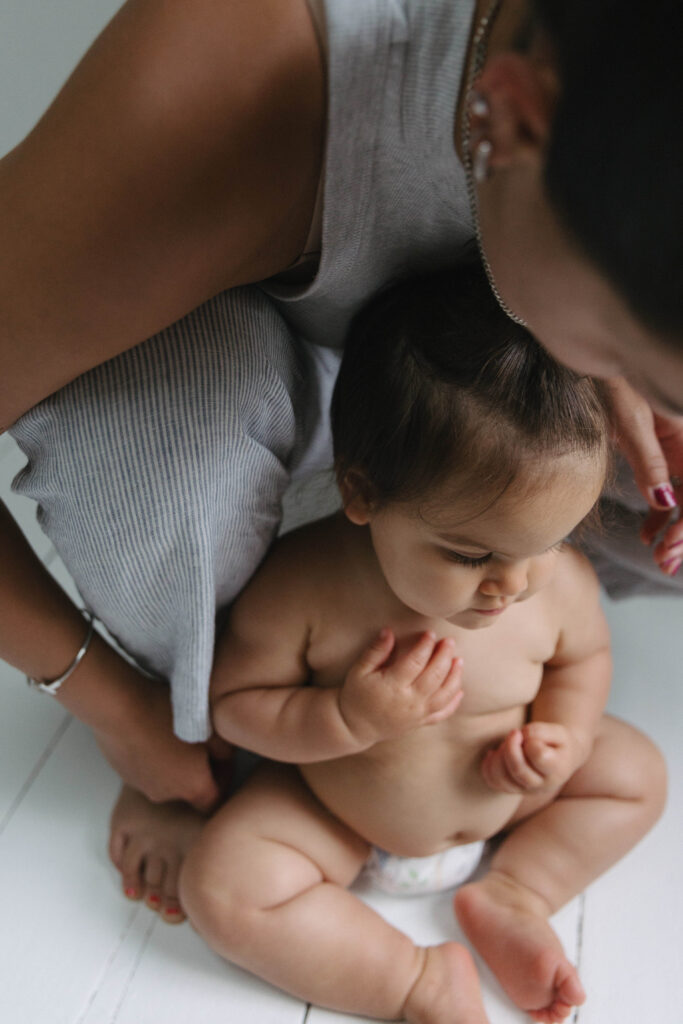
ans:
(499, 718)
(294, 861)
(98, 251)
(148, 843)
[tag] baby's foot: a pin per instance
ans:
(507, 925)
(148, 843)
(447, 991)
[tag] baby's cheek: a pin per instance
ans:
(541, 575)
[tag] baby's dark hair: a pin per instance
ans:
(437, 382)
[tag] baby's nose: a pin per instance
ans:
(508, 581)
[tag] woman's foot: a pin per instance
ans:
(447, 991)
(148, 843)
(507, 924)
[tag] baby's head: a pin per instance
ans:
(467, 449)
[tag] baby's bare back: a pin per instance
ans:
(424, 792)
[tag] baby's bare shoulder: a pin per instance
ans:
(575, 599)
(575, 579)
(300, 567)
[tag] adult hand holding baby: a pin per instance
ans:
(384, 697)
(541, 756)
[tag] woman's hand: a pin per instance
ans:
(130, 716)
(653, 445)
(150, 758)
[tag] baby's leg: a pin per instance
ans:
(552, 855)
(265, 886)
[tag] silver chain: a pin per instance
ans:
(479, 48)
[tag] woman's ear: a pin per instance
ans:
(520, 93)
(355, 492)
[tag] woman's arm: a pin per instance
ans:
(182, 157)
(40, 632)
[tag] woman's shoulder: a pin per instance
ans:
(184, 151)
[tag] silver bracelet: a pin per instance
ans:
(51, 686)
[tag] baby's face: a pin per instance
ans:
(469, 570)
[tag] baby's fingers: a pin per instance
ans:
(409, 666)
(374, 656)
(437, 672)
(518, 768)
(448, 696)
(494, 773)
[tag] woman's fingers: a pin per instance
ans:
(634, 424)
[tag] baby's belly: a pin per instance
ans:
(414, 796)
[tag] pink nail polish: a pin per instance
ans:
(664, 495)
(131, 893)
(173, 911)
(672, 566)
(672, 547)
(153, 898)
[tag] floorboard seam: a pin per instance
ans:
(37, 769)
(579, 948)
(111, 959)
(134, 970)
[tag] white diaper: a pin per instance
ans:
(414, 876)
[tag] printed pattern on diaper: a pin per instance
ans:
(410, 876)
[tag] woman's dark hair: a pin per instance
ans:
(437, 381)
(615, 156)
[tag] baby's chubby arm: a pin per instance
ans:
(260, 699)
(564, 717)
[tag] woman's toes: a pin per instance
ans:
(171, 911)
(154, 874)
(153, 899)
(131, 868)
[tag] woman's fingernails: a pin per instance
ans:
(153, 898)
(671, 566)
(131, 893)
(664, 495)
(672, 547)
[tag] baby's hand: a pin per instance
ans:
(539, 756)
(381, 700)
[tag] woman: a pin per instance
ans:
(316, 148)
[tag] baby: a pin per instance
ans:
(432, 666)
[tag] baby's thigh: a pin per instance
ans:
(624, 765)
(271, 841)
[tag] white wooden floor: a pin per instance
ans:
(74, 951)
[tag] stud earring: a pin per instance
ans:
(479, 105)
(481, 169)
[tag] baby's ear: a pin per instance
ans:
(356, 497)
